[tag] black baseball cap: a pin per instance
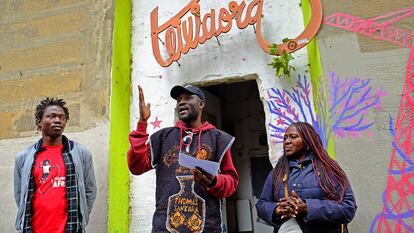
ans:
(189, 89)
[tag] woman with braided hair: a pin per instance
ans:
(306, 185)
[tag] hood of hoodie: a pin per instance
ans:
(199, 130)
(205, 126)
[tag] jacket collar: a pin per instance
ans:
(67, 144)
(295, 163)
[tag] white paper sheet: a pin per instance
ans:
(191, 162)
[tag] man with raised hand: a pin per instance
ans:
(187, 200)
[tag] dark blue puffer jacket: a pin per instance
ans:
(324, 216)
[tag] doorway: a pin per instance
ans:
(236, 108)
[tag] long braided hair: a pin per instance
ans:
(330, 175)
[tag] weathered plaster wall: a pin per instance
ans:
(55, 48)
(238, 55)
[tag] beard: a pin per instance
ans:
(190, 117)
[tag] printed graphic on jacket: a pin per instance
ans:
(183, 205)
(186, 210)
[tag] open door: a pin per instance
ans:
(212, 110)
(237, 109)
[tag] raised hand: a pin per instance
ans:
(144, 109)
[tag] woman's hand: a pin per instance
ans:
(302, 208)
(286, 208)
(291, 207)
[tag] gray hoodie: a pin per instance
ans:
(82, 159)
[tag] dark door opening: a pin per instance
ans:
(237, 109)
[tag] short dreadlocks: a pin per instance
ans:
(40, 108)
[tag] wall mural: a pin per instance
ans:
(398, 208)
(349, 101)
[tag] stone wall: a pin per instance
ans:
(55, 48)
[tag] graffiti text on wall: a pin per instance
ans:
(184, 34)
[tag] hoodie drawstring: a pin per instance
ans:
(206, 126)
(193, 132)
(199, 140)
(181, 139)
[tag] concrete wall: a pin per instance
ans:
(55, 48)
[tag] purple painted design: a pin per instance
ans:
(349, 101)
(290, 106)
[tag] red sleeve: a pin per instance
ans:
(227, 179)
(139, 154)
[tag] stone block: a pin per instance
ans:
(51, 54)
(39, 86)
